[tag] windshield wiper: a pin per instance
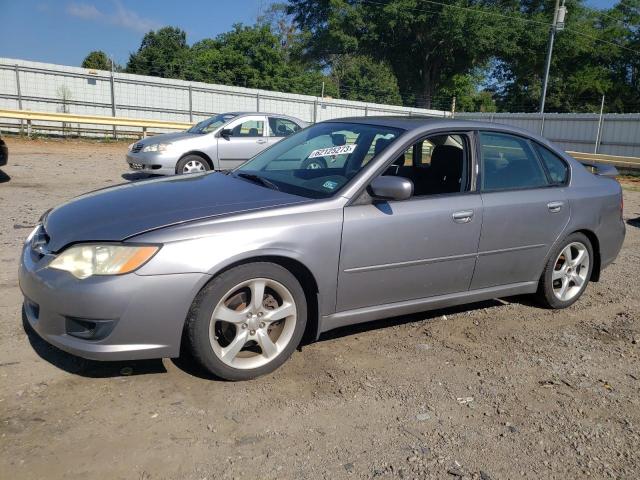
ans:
(258, 179)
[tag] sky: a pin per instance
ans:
(64, 31)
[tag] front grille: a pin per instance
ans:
(136, 166)
(136, 148)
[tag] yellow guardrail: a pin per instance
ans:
(143, 123)
(601, 158)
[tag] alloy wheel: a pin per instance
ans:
(193, 166)
(570, 271)
(253, 323)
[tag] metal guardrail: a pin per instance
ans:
(618, 160)
(142, 123)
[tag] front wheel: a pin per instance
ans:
(247, 321)
(567, 272)
(192, 164)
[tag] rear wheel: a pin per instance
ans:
(247, 321)
(192, 164)
(567, 272)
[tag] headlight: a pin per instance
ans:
(130, 146)
(157, 147)
(82, 261)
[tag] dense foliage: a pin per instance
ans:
(489, 54)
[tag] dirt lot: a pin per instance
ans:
(497, 390)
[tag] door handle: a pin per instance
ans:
(555, 207)
(262, 141)
(463, 216)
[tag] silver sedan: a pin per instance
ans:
(397, 215)
(221, 142)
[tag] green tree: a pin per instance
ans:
(362, 78)
(162, 53)
(97, 60)
(425, 44)
(251, 57)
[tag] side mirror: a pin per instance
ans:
(226, 133)
(391, 188)
(602, 169)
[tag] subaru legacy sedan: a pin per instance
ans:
(401, 215)
(221, 142)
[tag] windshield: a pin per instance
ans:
(210, 124)
(318, 161)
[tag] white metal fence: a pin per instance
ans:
(613, 134)
(57, 88)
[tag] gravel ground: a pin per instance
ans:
(500, 389)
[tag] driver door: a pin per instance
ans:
(425, 246)
(247, 139)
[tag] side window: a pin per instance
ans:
(281, 127)
(509, 162)
(250, 128)
(436, 165)
(558, 170)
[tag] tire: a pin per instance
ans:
(557, 271)
(192, 164)
(248, 342)
(313, 164)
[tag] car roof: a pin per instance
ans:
(280, 115)
(419, 122)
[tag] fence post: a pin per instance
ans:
(599, 132)
(19, 92)
(366, 110)
(258, 102)
(113, 101)
(542, 125)
(453, 107)
(315, 111)
(190, 104)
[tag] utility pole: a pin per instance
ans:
(559, 14)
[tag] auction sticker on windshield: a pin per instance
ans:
(327, 152)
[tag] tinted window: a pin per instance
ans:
(558, 170)
(281, 127)
(509, 162)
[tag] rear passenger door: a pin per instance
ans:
(525, 210)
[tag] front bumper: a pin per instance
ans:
(145, 314)
(153, 162)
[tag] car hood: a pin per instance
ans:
(117, 213)
(168, 137)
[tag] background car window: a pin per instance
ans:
(508, 162)
(250, 128)
(558, 170)
(281, 127)
(435, 165)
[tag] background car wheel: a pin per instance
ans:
(192, 164)
(567, 272)
(247, 321)
(314, 164)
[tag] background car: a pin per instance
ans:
(4, 153)
(221, 142)
(402, 215)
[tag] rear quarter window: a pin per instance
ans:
(557, 168)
